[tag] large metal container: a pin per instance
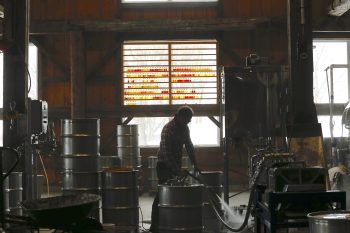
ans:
(119, 191)
(80, 136)
(180, 209)
(13, 193)
(81, 163)
(128, 149)
(153, 178)
(80, 180)
(106, 162)
(214, 189)
(80, 155)
(329, 221)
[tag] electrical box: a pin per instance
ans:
(38, 116)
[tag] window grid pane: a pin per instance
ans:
(169, 73)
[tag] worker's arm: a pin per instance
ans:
(190, 148)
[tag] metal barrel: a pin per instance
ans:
(153, 178)
(106, 162)
(120, 203)
(80, 152)
(213, 182)
(180, 209)
(128, 149)
(13, 193)
(80, 136)
(329, 221)
(80, 163)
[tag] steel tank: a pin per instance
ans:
(180, 208)
(80, 152)
(329, 221)
(128, 149)
(120, 203)
(153, 178)
(214, 189)
(13, 186)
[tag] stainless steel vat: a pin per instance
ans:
(128, 149)
(329, 221)
(120, 203)
(180, 209)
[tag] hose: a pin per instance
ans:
(15, 163)
(212, 203)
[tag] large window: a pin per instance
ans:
(330, 59)
(170, 72)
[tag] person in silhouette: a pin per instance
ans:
(175, 135)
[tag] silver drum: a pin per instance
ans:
(329, 221)
(180, 209)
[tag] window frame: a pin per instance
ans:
(323, 109)
(153, 4)
(168, 110)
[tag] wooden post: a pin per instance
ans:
(78, 73)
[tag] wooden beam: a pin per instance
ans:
(107, 56)
(77, 70)
(218, 24)
(50, 55)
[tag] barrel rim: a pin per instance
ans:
(316, 215)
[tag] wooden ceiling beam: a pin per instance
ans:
(205, 25)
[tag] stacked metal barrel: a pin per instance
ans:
(214, 189)
(13, 193)
(128, 149)
(80, 139)
(153, 179)
(120, 203)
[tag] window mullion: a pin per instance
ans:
(170, 75)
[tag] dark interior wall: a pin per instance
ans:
(103, 58)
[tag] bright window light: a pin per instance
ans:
(203, 131)
(32, 67)
(326, 53)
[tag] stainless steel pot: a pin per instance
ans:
(329, 221)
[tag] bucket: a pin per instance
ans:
(128, 149)
(180, 209)
(120, 203)
(329, 221)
